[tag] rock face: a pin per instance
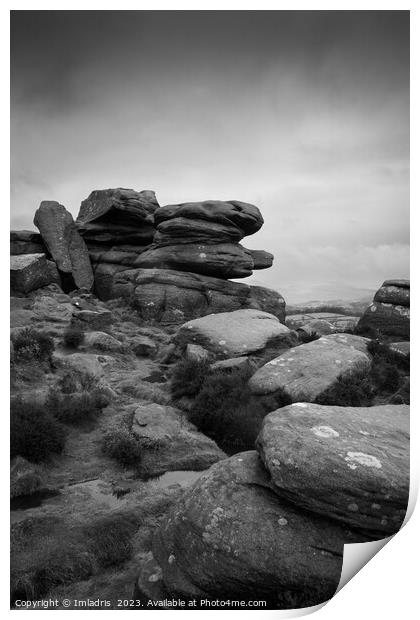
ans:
(390, 311)
(173, 297)
(359, 462)
(65, 244)
(26, 242)
(304, 372)
(118, 216)
(31, 271)
(230, 536)
(233, 334)
(203, 237)
(169, 442)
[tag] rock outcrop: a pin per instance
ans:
(359, 462)
(230, 535)
(64, 244)
(202, 237)
(304, 372)
(31, 271)
(389, 313)
(233, 334)
(338, 322)
(170, 443)
(174, 297)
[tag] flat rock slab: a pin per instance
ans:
(233, 334)
(339, 322)
(350, 464)
(230, 536)
(170, 443)
(304, 372)
(92, 319)
(29, 272)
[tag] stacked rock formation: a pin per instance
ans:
(389, 313)
(264, 521)
(203, 238)
(173, 263)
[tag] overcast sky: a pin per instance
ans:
(305, 114)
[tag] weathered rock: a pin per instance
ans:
(143, 346)
(389, 319)
(261, 259)
(26, 242)
(196, 353)
(359, 462)
(233, 334)
(340, 322)
(103, 342)
(170, 443)
(83, 363)
(233, 213)
(232, 364)
(304, 372)
(229, 536)
(401, 347)
(173, 297)
(395, 292)
(31, 271)
(92, 319)
(51, 308)
(118, 216)
(64, 243)
(219, 260)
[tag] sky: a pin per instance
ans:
(302, 113)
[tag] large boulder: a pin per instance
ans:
(229, 536)
(234, 334)
(173, 297)
(245, 218)
(26, 242)
(202, 237)
(350, 464)
(64, 243)
(118, 216)
(388, 319)
(395, 292)
(304, 372)
(226, 260)
(390, 311)
(31, 271)
(170, 443)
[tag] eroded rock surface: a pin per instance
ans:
(350, 464)
(233, 334)
(304, 372)
(390, 311)
(169, 442)
(173, 297)
(230, 535)
(29, 272)
(64, 243)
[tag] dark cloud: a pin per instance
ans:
(304, 113)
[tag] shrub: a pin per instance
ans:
(226, 411)
(188, 377)
(144, 391)
(122, 445)
(74, 336)
(30, 344)
(305, 337)
(34, 433)
(110, 539)
(350, 390)
(77, 381)
(74, 408)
